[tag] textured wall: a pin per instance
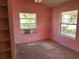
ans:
(43, 20)
(56, 17)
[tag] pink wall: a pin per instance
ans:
(56, 14)
(43, 20)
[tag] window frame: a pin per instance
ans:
(65, 36)
(24, 31)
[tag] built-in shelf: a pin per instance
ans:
(4, 29)
(5, 55)
(3, 17)
(5, 50)
(4, 40)
(5, 43)
(3, 5)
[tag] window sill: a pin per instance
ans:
(67, 37)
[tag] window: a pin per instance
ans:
(28, 22)
(69, 23)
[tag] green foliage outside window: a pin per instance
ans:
(69, 23)
(27, 20)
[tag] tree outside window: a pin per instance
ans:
(28, 22)
(69, 23)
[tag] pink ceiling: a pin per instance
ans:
(51, 3)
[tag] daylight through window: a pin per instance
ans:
(69, 23)
(28, 22)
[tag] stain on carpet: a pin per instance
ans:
(44, 50)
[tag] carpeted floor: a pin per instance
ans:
(44, 50)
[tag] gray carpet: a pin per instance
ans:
(44, 50)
